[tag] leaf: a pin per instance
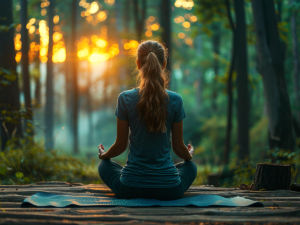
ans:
(19, 175)
(3, 170)
(262, 190)
(26, 180)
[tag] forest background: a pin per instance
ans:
(234, 62)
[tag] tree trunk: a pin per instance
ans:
(9, 95)
(229, 90)
(271, 177)
(37, 91)
(199, 72)
(165, 17)
(25, 61)
(89, 105)
(139, 16)
(37, 76)
(127, 16)
(296, 61)
(216, 52)
(68, 78)
(74, 79)
(271, 67)
(49, 109)
(242, 81)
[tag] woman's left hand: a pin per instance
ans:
(191, 149)
(101, 150)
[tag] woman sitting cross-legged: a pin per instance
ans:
(152, 113)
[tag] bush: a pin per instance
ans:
(25, 162)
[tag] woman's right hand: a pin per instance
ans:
(101, 150)
(191, 149)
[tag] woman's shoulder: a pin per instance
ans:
(129, 92)
(128, 95)
(174, 96)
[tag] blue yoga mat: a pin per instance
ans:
(44, 199)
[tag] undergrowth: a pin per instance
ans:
(25, 161)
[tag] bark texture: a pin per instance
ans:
(74, 79)
(242, 81)
(165, 17)
(216, 39)
(271, 67)
(272, 177)
(9, 95)
(296, 61)
(25, 59)
(199, 73)
(229, 88)
(49, 109)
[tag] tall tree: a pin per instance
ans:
(89, 109)
(199, 72)
(165, 21)
(296, 60)
(74, 75)
(216, 39)
(49, 109)
(9, 94)
(139, 16)
(272, 70)
(242, 81)
(25, 60)
(229, 87)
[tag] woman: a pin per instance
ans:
(151, 112)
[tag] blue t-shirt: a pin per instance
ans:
(149, 163)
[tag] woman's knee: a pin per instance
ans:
(192, 167)
(103, 167)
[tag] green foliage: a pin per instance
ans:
(243, 172)
(6, 76)
(4, 28)
(283, 31)
(26, 162)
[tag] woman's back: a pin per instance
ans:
(150, 112)
(149, 163)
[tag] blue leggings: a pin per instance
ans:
(110, 173)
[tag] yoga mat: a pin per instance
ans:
(44, 199)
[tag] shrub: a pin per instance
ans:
(25, 162)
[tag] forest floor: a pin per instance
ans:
(281, 207)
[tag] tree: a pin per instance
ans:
(229, 88)
(49, 109)
(74, 61)
(9, 89)
(296, 60)
(242, 81)
(216, 39)
(272, 71)
(25, 60)
(165, 21)
(139, 16)
(89, 108)
(199, 72)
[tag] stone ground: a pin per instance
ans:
(281, 207)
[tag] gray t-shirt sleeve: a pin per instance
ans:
(121, 109)
(179, 111)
